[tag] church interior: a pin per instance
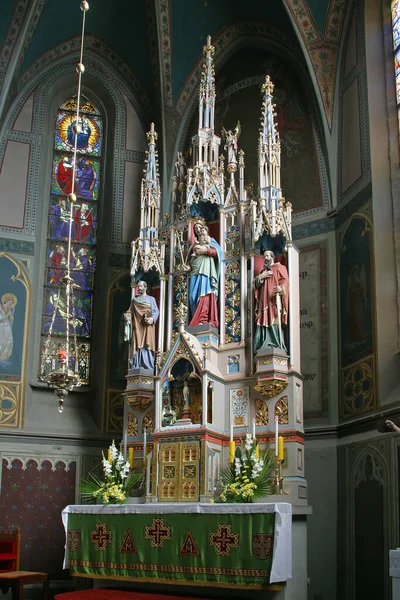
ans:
(198, 246)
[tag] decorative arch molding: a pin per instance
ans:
(227, 42)
(379, 452)
(24, 459)
(96, 47)
(41, 84)
(380, 468)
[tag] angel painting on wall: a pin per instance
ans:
(231, 143)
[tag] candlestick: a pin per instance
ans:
(280, 448)
(231, 433)
(276, 436)
(109, 456)
(131, 455)
(254, 429)
(257, 451)
(232, 450)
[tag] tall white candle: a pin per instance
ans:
(276, 436)
(144, 443)
(231, 433)
(254, 429)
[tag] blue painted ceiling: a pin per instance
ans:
(123, 25)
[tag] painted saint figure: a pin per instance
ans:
(7, 309)
(86, 178)
(83, 218)
(64, 175)
(273, 281)
(140, 328)
(205, 256)
(59, 221)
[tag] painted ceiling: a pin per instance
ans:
(134, 30)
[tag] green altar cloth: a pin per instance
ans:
(221, 545)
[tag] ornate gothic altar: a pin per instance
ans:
(222, 350)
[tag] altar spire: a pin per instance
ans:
(272, 214)
(207, 89)
(147, 252)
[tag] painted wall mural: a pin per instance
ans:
(314, 329)
(356, 310)
(14, 313)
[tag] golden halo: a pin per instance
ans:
(68, 120)
(9, 296)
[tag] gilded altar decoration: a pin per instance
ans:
(133, 427)
(139, 403)
(281, 410)
(73, 540)
(232, 302)
(270, 387)
(148, 422)
(118, 480)
(261, 413)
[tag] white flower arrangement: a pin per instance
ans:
(118, 479)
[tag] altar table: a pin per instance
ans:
(232, 545)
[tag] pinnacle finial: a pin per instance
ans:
(152, 135)
(209, 49)
(268, 87)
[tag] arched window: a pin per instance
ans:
(396, 45)
(83, 230)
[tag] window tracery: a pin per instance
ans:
(83, 229)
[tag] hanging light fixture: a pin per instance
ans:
(61, 371)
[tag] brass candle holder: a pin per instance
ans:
(278, 478)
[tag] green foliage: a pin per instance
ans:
(117, 483)
(248, 477)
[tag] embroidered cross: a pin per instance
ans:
(223, 539)
(157, 533)
(101, 537)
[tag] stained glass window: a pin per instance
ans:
(396, 45)
(83, 230)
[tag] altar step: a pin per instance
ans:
(110, 594)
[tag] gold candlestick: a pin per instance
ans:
(278, 479)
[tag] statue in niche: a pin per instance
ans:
(272, 296)
(231, 143)
(140, 321)
(205, 256)
(168, 416)
(180, 168)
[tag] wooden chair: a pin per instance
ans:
(10, 575)
(10, 546)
